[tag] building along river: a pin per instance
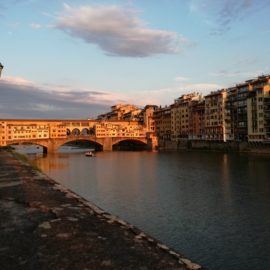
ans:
(212, 207)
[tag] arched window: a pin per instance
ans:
(85, 132)
(75, 132)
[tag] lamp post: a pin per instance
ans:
(1, 68)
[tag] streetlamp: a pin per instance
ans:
(1, 68)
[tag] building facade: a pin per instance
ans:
(132, 129)
(197, 120)
(258, 110)
(180, 115)
(122, 112)
(30, 130)
(147, 117)
(215, 116)
(162, 120)
(240, 113)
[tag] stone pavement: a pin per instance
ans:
(45, 226)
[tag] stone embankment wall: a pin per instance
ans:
(260, 148)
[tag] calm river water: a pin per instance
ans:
(212, 207)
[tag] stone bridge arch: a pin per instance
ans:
(42, 143)
(104, 144)
(130, 144)
(57, 143)
(139, 140)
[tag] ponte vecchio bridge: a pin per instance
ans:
(51, 134)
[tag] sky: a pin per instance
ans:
(75, 59)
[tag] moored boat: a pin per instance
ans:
(89, 154)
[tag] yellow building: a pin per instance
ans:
(162, 120)
(30, 130)
(258, 110)
(148, 117)
(180, 115)
(215, 116)
(121, 112)
(197, 120)
(131, 113)
(2, 133)
(105, 129)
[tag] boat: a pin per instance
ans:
(89, 154)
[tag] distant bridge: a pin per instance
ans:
(52, 145)
(52, 134)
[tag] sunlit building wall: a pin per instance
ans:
(121, 129)
(215, 116)
(197, 120)
(180, 115)
(258, 110)
(121, 112)
(30, 130)
(163, 127)
(148, 117)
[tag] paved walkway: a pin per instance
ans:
(44, 226)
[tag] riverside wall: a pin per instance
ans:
(249, 147)
(46, 226)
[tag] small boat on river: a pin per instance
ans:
(89, 154)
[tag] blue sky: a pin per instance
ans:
(74, 59)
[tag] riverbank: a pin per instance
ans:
(232, 146)
(45, 226)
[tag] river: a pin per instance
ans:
(212, 207)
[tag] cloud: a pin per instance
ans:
(21, 98)
(236, 74)
(230, 11)
(5, 3)
(35, 25)
(226, 12)
(166, 96)
(17, 81)
(118, 31)
(181, 79)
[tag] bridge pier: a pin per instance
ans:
(107, 144)
(51, 147)
(153, 143)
